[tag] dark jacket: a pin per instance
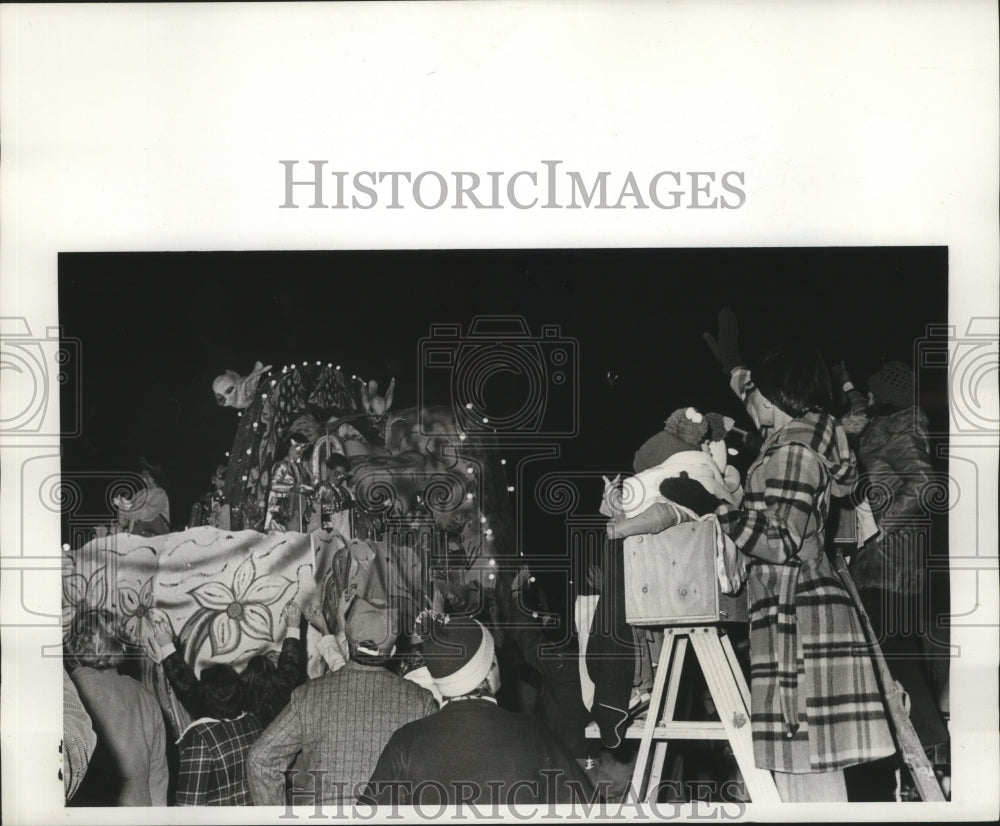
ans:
(901, 489)
(264, 705)
(475, 752)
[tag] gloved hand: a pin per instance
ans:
(725, 347)
(839, 374)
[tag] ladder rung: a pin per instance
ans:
(676, 730)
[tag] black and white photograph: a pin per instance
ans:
(551, 458)
(408, 454)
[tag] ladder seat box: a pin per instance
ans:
(670, 579)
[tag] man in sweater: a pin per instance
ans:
(472, 751)
(335, 726)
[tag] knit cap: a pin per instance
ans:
(893, 384)
(680, 432)
(688, 425)
(459, 654)
(371, 628)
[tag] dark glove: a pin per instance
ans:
(725, 348)
(839, 374)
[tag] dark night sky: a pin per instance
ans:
(155, 329)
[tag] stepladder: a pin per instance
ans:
(713, 650)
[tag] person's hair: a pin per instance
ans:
(261, 687)
(222, 691)
(94, 640)
(159, 477)
(795, 379)
(335, 460)
(364, 654)
(298, 436)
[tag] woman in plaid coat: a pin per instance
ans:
(816, 707)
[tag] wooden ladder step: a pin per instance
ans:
(675, 730)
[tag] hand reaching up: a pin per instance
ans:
(163, 633)
(314, 615)
(725, 347)
(343, 606)
(839, 374)
(293, 614)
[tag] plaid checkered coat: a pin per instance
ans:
(815, 701)
(213, 762)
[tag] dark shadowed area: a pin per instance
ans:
(156, 328)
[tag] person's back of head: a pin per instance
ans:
(371, 632)
(892, 388)
(260, 686)
(460, 655)
(337, 463)
(155, 471)
(222, 691)
(795, 378)
(93, 640)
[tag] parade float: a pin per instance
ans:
(430, 527)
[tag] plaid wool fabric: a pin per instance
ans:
(335, 726)
(815, 701)
(213, 762)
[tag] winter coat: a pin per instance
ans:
(129, 764)
(815, 702)
(894, 455)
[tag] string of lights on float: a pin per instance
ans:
(470, 496)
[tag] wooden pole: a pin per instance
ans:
(906, 737)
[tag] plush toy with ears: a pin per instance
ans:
(374, 404)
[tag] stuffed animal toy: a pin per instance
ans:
(678, 464)
(233, 390)
(691, 444)
(719, 427)
(375, 405)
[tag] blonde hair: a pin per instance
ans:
(94, 640)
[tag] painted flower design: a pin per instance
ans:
(241, 608)
(138, 614)
(80, 593)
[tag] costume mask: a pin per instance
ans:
(233, 390)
